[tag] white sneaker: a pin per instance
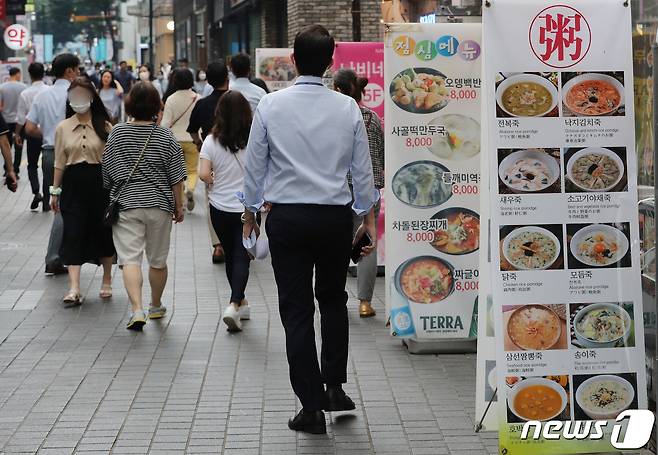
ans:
(244, 311)
(232, 319)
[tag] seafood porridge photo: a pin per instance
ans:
(420, 90)
(592, 94)
(531, 247)
(598, 245)
(596, 169)
(421, 184)
(529, 171)
(527, 95)
(534, 327)
(602, 397)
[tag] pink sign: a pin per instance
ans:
(367, 60)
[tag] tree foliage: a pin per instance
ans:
(54, 16)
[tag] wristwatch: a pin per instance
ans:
(55, 191)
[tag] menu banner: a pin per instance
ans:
(432, 109)
(565, 250)
(367, 60)
(274, 66)
(486, 396)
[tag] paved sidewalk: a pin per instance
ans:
(76, 381)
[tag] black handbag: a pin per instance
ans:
(111, 215)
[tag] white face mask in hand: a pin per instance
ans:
(80, 108)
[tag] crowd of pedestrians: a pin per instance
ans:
(296, 173)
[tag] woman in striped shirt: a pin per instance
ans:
(148, 201)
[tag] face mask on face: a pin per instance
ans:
(80, 107)
(202, 76)
(145, 76)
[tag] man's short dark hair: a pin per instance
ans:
(314, 49)
(143, 101)
(241, 65)
(13, 71)
(183, 60)
(183, 79)
(217, 73)
(63, 62)
(123, 62)
(36, 71)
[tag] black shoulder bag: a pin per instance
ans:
(111, 215)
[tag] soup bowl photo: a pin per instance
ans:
(593, 94)
(611, 164)
(513, 163)
(525, 399)
(532, 80)
(587, 243)
(613, 386)
(425, 279)
(534, 327)
(612, 315)
(535, 232)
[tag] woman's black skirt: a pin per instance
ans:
(82, 204)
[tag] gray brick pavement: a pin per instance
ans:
(76, 381)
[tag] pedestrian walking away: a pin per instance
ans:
(347, 82)
(78, 191)
(222, 168)
(144, 170)
(46, 112)
(36, 71)
(202, 120)
(241, 68)
(10, 93)
(303, 141)
(111, 93)
(176, 116)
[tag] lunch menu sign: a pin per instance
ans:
(565, 262)
(432, 104)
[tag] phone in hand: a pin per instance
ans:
(357, 249)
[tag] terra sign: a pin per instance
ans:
(560, 36)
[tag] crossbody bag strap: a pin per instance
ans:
(139, 160)
(184, 112)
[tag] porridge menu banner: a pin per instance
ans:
(432, 103)
(564, 226)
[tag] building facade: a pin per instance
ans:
(226, 27)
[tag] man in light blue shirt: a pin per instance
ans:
(240, 67)
(303, 141)
(46, 112)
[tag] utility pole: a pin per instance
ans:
(151, 33)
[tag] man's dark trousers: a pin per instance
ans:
(304, 237)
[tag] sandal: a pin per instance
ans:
(106, 291)
(73, 298)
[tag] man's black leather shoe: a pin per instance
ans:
(309, 422)
(337, 400)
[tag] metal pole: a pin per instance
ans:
(654, 50)
(151, 33)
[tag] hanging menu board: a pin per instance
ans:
(274, 66)
(565, 249)
(432, 104)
